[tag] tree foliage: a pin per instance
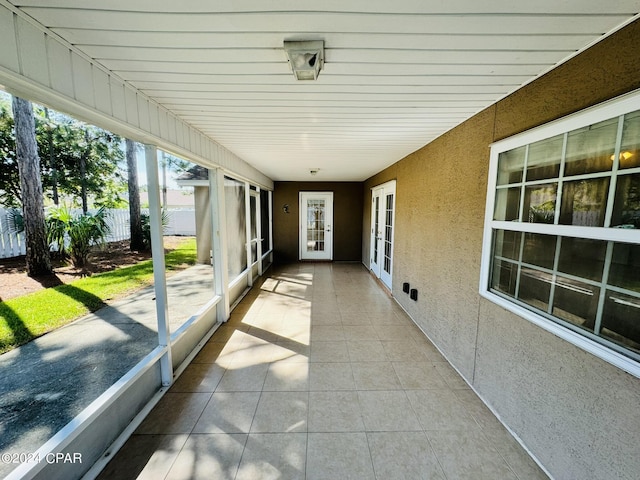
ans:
(64, 146)
(9, 177)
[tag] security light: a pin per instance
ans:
(306, 58)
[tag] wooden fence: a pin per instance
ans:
(181, 222)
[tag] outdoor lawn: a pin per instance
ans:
(47, 307)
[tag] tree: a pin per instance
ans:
(135, 219)
(9, 177)
(38, 261)
(63, 145)
(84, 162)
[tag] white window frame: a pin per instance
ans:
(610, 109)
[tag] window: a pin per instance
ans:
(562, 230)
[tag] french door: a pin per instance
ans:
(316, 221)
(382, 225)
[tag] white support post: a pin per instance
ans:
(159, 267)
(247, 216)
(259, 232)
(219, 243)
(271, 221)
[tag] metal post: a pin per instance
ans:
(259, 231)
(219, 243)
(247, 216)
(159, 268)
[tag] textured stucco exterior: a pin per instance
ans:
(577, 414)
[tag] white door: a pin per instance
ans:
(316, 222)
(382, 226)
(376, 231)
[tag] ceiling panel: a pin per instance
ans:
(396, 75)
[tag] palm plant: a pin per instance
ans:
(82, 233)
(14, 221)
(146, 226)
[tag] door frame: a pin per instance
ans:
(327, 253)
(379, 238)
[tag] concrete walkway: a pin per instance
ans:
(47, 382)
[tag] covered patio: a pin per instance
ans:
(424, 257)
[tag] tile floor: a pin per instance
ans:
(320, 375)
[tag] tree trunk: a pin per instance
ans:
(38, 261)
(83, 174)
(52, 163)
(135, 220)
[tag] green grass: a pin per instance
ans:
(24, 318)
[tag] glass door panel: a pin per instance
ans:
(316, 216)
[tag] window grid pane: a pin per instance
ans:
(315, 225)
(388, 233)
(565, 282)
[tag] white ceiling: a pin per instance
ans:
(397, 74)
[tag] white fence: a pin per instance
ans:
(181, 222)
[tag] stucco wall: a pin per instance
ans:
(577, 414)
(347, 209)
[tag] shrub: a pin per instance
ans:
(82, 232)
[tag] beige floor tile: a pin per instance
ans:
(404, 351)
(347, 306)
(281, 412)
(247, 379)
(144, 457)
(356, 319)
(387, 411)
(524, 466)
(268, 335)
(466, 454)
(375, 376)
(227, 333)
(228, 412)
(175, 413)
(287, 376)
(290, 330)
(291, 351)
(208, 456)
(329, 352)
(453, 378)
(332, 456)
(252, 351)
(439, 409)
(395, 332)
(403, 455)
(386, 318)
(366, 351)
(199, 377)
(325, 316)
(302, 336)
(418, 375)
(274, 456)
(327, 333)
(429, 350)
(334, 412)
(330, 376)
(360, 332)
(209, 353)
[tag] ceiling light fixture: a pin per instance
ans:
(306, 58)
